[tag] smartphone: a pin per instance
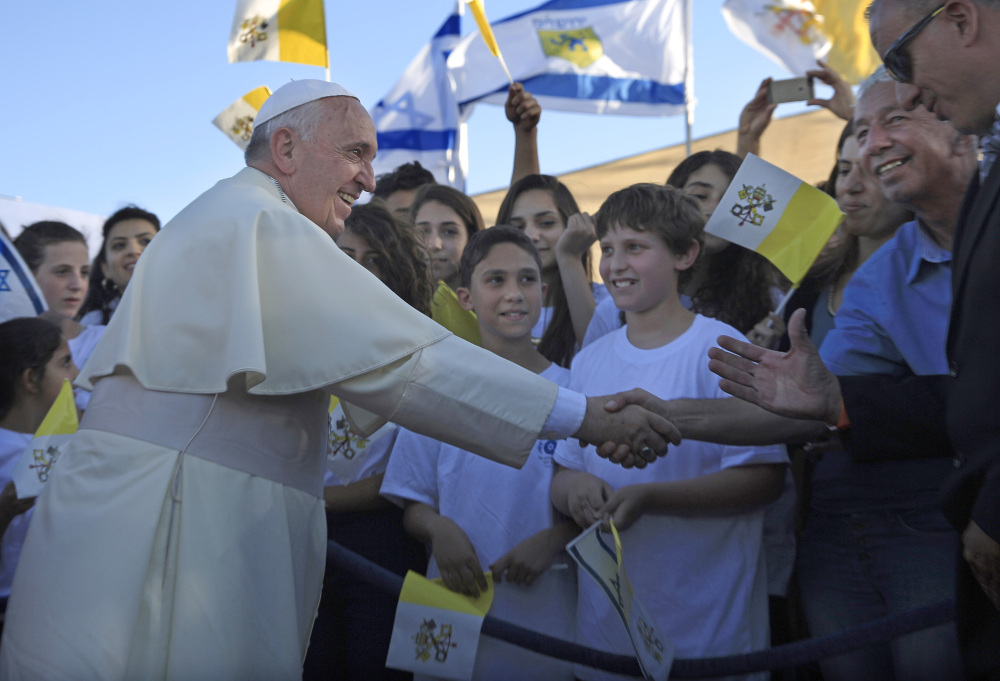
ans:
(790, 90)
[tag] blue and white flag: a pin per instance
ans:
(19, 294)
(419, 120)
(593, 56)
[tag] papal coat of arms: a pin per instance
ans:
(756, 201)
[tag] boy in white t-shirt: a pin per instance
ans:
(691, 522)
(477, 514)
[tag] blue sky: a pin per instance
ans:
(111, 102)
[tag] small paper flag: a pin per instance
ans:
(446, 311)
(436, 631)
(34, 467)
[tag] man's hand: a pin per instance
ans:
(639, 435)
(522, 109)
(982, 552)
(456, 558)
(754, 119)
(625, 507)
(842, 102)
(794, 383)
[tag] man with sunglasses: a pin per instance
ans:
(946, 56)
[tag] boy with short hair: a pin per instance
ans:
(476, 513)
(690, 523)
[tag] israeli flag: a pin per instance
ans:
(419, 120)
(593, 56)
(19, 294)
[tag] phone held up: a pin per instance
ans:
(790, 90)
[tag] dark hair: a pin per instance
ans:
(481, 243)
(459, 202)
(404, 261)
(103, 291)
(659, 209)
(32, 242)
(26, 343)
(406, 176)
(738, 282)
(559, 340)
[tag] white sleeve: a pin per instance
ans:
(458, 393)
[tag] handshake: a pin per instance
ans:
(625, 430)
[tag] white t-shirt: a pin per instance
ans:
(702, 579)
(81, 348)
(12, 446)
(497, 507)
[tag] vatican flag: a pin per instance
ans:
(776, 214)
(446, 311)
(236, 121)
(279, 30)
(436, 631)
(34, 467)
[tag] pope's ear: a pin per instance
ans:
(464, 298)
(284, 143)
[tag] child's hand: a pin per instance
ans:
(625, 507)
(586, 495)
(578, 236)
(456, 558)
(10, 505)
(533, 556)
(767, 332)
(521, 108)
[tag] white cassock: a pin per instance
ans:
(183, 535)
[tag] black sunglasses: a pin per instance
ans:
(897, 60)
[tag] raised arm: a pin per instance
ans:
(842, 102)
(524, 112)
(754, 119)
(575, 240)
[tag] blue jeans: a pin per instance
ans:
(854, 568)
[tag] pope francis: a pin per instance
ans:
(183, 536)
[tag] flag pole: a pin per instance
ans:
(688, 77)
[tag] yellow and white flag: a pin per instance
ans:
(605, 565)
(279, 30)
(844, 23)
(33, 468)
(446, 311)
(776, 214)
(436, 631)
(236, 120)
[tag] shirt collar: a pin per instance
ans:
(929, 251)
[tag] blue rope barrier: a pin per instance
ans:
(788, 655)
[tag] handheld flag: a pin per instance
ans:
(484, 29)
(346, 450)
(777, 215)
(236, 120)
(436, 631)
(418, 119)
(19, 294)
(592, 56)
(34, 467)
(852, 54)
(605, 565)
(788, 31)
(279, 30)
(447, 312)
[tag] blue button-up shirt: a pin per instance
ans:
(894, 317)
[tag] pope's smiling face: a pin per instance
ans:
(334, 165)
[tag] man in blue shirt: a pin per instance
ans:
(876, 542)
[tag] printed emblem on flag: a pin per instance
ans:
(756, 199)
(343, 442)
(432, 637)
(253, 30)
(243, 128)
(652, 643)
(44, 460)
(804, 23)
(580, 46)
(4, 286)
